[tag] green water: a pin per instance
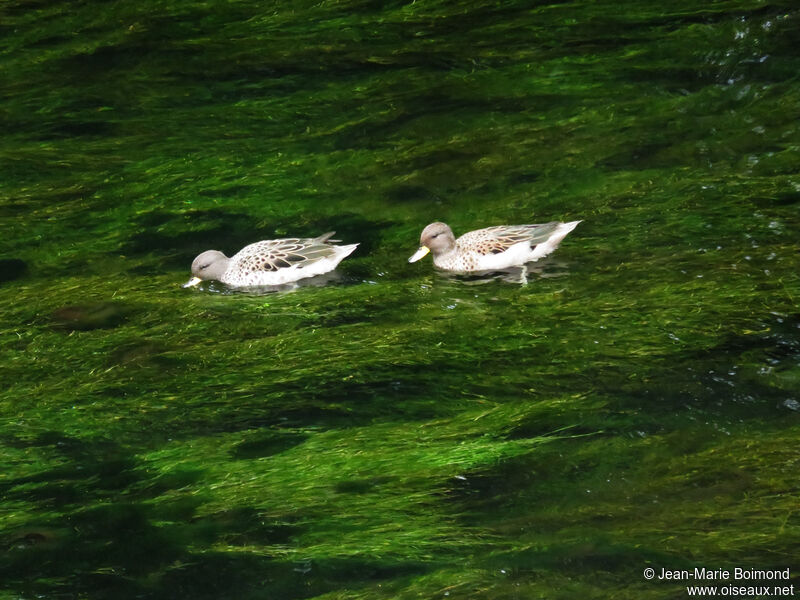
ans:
(392, 431)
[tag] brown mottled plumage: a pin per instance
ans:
(271, 262)
(490, 248)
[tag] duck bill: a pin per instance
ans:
(423, 250)
(192, 282)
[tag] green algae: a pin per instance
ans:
(395, 432)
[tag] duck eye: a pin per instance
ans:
(205, 266)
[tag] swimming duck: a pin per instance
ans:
(270, 262)
(491, 248)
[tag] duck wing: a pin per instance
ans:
(495, 240)
(271, 255)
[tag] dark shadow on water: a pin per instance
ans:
(12, 268)
(361, 486)
(144, 353)
(79, 129)
(336, 403)
(103, 536)
(232, 575)
(86, 317)
(246, 526)
(112, 529)
(176, 238)
(98, 459)
(405, 193)
(267, 443)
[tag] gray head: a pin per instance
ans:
(437, 238)
(211, 264)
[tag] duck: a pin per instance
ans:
(490, 248)
(270, 262)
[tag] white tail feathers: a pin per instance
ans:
(546, 247)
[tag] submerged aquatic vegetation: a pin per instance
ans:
(395, 432)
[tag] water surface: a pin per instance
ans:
(392, 431)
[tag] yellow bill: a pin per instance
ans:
(192, 282)
(423, 250)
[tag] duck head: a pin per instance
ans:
(211, 264)
(437, 238)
